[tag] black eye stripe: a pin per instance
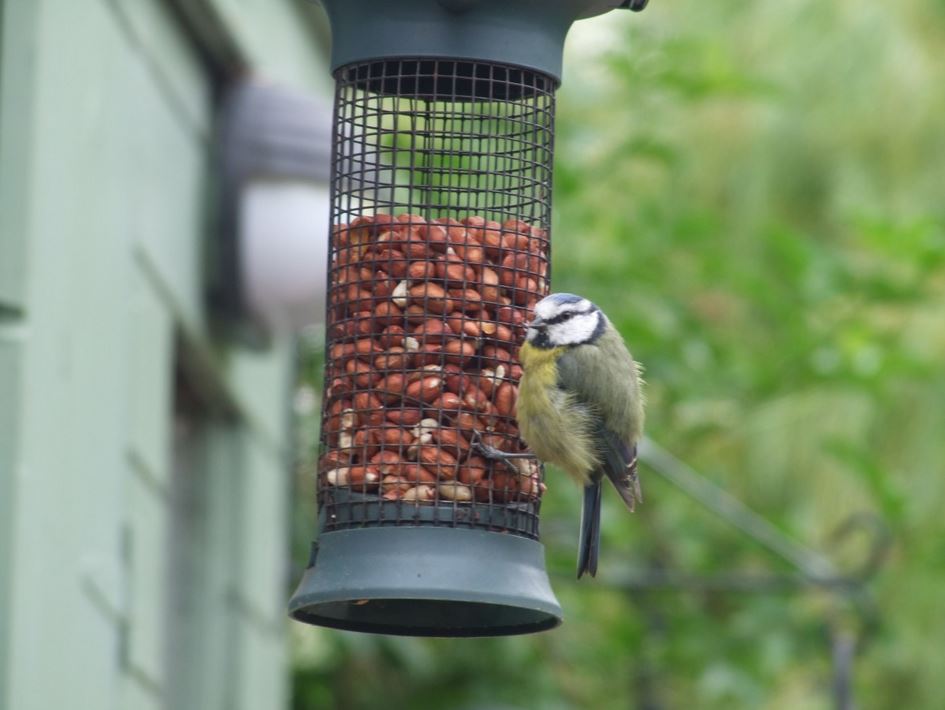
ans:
(568, 315)
(599, 330)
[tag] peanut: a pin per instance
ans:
(387, 313)
(476, 400)
(388, 463)
(458, 352)
(353, 475)
(341, 352)
(448, 402)
(364, 444)
(504, 399)
(432, 330)
(422, 270)
(394, 359)
(426, 318)
(488, 284)
(399, 295)
(430, 354)
(496, 356)
(465, 324)
(434, 235)
(467, 299)
(450, 439)
(366, 348)
(417, 473)
(393, 437)
(440, 462)
(430, 296)
(407, 416)
(454, 273)
(392, 387)
(366, 401)
(470, 253)
(425, 389)
(455, 491)
(393, 486)
(392, 336)
(390, 261)
(473, 471)
(419, 493)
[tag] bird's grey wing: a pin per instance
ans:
(618, 457)
(619, 461)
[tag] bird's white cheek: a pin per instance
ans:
(531, 334)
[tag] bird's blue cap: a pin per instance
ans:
(557, 305)
(559, 299)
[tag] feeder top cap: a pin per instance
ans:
(522, 33)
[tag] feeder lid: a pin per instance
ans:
(524, 33)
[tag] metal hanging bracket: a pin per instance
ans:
(523, 33)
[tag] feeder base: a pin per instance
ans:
(427, 581)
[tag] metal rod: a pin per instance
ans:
(843, 650)
(662, 580)
(810, 563)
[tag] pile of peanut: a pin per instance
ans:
(426, 319)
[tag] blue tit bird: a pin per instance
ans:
(580, 406)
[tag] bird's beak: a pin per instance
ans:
(531, 329)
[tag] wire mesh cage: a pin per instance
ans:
(441, 196)
(441, 201)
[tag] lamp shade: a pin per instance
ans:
(269, 262)
(283, 243)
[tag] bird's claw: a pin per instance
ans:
(491, 453)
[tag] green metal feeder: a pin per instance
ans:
(441, 207)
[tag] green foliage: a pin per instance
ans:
(752, 191)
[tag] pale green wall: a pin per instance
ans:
(137, 570)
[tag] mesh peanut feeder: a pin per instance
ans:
(441, 197)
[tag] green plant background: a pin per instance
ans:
(753, 191)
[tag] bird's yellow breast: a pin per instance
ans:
(554, 430)
(539, 363)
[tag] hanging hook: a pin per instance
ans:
(880, 543)
(635, 5)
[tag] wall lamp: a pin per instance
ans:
(269, 258)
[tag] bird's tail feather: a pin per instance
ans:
(589, 543)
